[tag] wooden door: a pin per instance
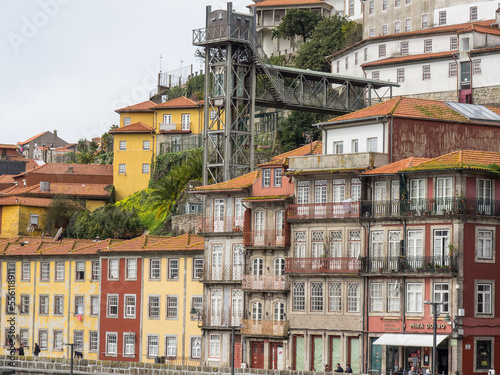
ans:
(257, 354)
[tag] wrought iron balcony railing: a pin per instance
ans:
(223, 273)
(322, 265)
(444, 264)
(264, 327)
(220, 224)
(267, 238)
(222, 319)
(253, 282)
(323, 210)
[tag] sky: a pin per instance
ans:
(66, 65)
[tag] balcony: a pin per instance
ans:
(267, 283)
(222, 273)
(322, 265)
(433, 264)
(338, 161)
(223, 319)
(265, 327)
(168, 127)
(267, 238)
(323, 210)
(430, 206)
(220, 224)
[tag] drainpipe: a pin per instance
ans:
(392, 137)
(34, 308)
(471, 75)
(455, 55)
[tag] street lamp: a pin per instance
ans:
(71, 360)
(434, 323)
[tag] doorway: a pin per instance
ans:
(257, 354)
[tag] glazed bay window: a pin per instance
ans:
(353, 297)
(316, 296)
(113, 270)
(299, 297)
(376, 302)
(414, 297)
(335, 296)
(485, 244)
(484, 298)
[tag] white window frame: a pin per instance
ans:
(171, 346)
(487, 293)
(131, 269)
(122, 146)
(353, 297)
(154, 307)
(111, 344)
(278, 175)
(171, 307)
(154, 269)
(335, 296)
(414, 297)
(44, 271)
(442, 17)
(485, 239)
(441, 293)
(95, 305)
(173, 269)
(113, 269)
(214, 346)
(112, 302)
(146, 145)
(129, 306)
(145, 168)
(60, 271)
(266, 177)
(80, 305)
(59, 305)
(186, 121)
(153, 346)
(299, 296)
(25, 271)
(317, 296)
(93, 341)
(96, 270)
(376, 297)
(122, 168)
(129, 344)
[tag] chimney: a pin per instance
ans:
(45, 186)
(497, 16)
(55, 133)
(70, 169)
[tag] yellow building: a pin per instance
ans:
(18, 215)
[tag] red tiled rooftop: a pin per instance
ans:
(75, 169)
(139, 107)
(181, 102)
(135, 244)
(396, 166)
(480, 29)
(25, 201)
(466, 159)
(7, 146)
(6, 179)
(313, 148)
(238, 183)
(185, 242)
(274, 3)
(137, 127)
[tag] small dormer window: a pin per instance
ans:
(266, 177)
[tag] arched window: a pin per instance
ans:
(257, 311)
(279, 312)
(258, 267)
(279, 266)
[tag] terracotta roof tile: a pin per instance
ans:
(32, 138)
(7, 146)
(25, 201)
(480, 29)
(238, 183)
(181, 102)
(314, 148)
(408, 58)
(139, 107)
(465, 159)
(6, 179)
(59, 188)
(396, 166)
(135, 244)
(274, 3)
(185, 242)
(137, 127)
(74, 169)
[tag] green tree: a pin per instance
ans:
(292, 131)
(60, 211)
(330, 35)
(297, 22)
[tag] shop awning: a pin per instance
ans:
(408, 339)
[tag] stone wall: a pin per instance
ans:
(185, 223)
(480, 95)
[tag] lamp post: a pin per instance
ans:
(434, 321)
(71, 360)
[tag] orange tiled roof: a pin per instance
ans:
(274, 3)
(314, 148)
(60, 188)
(465, 159)
(480, 29)
(31, 164)
(75, 169)
(409, 107)
(484, 50)
(396, 166)
(238, 183)
(6, 179)
(432, 30)
(185, 242)
(25, 201)
(32, 138)
(6, 146)
(181, 102)
(137, 127)
(408, 58)
(139, 107)
(135, 244)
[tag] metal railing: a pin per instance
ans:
(222, 319)
(220, 224)
(323, 210)
(260, 282)
(322, 265)
(267, 238)
(444, 264)
(265, 327)
(223, 273)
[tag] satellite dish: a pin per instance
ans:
(58, 234)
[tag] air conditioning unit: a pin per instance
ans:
(243, 365)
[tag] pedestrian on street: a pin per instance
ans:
(412, 371)
(36, 351)
(348, 369)
(340, 369)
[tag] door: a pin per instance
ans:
(441, 243)
(238, 251)
(257, 354)
(259, 228)
(484, 196)
(414, 257)
(276, 356)
(376, 358)
(216, 307)
(417, 194)
(216, 262)
(320, 199)
(317, 353)
(302, 198)
(280, 227)
(237, 307)
(219, 215)
(443, 194)
(238, 214)
(237, 351)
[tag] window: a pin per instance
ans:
(316, 296)
(407, 25)
(371, 7)
(173, 268)
(414, 297)
(25, 304)
(338, 66)
(335, 297)
(43, 339)
(25, 271)
(372, 145)
(129, 308)
(113, 269)
(131, 269)
(34, 220)
(172, 307)
(266, 177)
(129, 344)
(385, 29)
(376, 75)
(356, 58)
(485, 244)
(96, 271)
(427, 45)
(354, 146)
(426, 72)
(123, 145)
(473, 14)
(112, 305)
(171, 346)
(111, 344)
(393, 297)
(401, 75)
(44, 305)
(408, 2)
(365, 54)
(145, 168)
(425, 22)
(376, 304)
(154, 307)
(453, 69)
(186, 121)
(476, 64)
(214, 346)
(442, 17)
(197, 304)
(59, 271)
(397, 27)
(58, 305)
(405, 48)
(353, 297)
(279, 266)
(197, 268)
(78, 340)
(256, 311)
(381, 50)
(279, 312)
(415, 248)
(127, 121)
(355, 189)
(354, 244)
(338, 147)
(167, 119)
(146, 145)
(94, 341)
(94, 305)
(196, 347)
(484, 293)
(122, 168)
(79, 305)
(299, 296)
(58, 340)
(371, 32)
(441, 294)
(346, 62)
(80, 270)
(300, 245)
(257, 267)
(153, 342)
(154, 269)
(24, 337)
(483, 354)
(453, 43)
(213, 115)
(384, 4)
(278, 173)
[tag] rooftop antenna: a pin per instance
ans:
(160, 61)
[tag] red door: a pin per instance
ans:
(237, 351)
(257, 354)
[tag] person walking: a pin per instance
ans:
(340, 369)
(327, 368)
(348, 369)
(36, 351)
(412, 371)
(21, 350)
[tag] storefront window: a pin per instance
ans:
(413, 357)
(483, 354)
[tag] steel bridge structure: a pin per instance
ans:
(239, 77)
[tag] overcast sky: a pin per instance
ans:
(66, 65)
